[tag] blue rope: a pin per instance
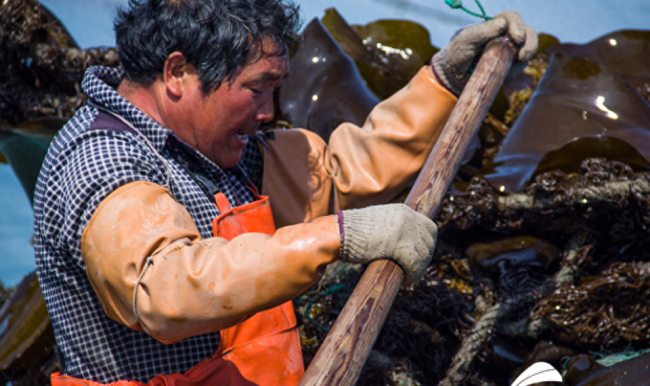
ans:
(457, 4)
(322, 295)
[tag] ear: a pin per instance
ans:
(176, 73)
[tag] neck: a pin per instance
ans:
(144, 98)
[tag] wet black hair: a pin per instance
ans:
(216, 36)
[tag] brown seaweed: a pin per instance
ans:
(515, 265)
(42, 68)
(526, 81)
(453, 273)
(607, 309)
(634, 372)
(42, 65)
(336, 73)
(626, 52)
(388, 53)
(586, 100)
(580, 368)
(324, 88)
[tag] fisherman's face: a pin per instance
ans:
(225, 119)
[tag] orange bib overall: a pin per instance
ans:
(262, 350)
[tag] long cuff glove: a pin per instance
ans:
(452, 64)
(394, 232)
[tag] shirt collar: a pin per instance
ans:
(100, 84)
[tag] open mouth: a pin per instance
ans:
(242, 139)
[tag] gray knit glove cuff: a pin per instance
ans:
(394, 232)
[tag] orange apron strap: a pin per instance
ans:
(222, 202)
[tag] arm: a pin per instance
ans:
(193, 286)
(142, 244)
(365, 165)
(372, 164)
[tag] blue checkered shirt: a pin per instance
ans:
(81, 168)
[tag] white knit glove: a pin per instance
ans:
(452, 64)
(394, 232)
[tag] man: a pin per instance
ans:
(158, 260)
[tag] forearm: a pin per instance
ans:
(209, 285)
(375, 162)
(192, 286)
(364, 165)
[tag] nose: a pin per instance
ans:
(265, 111)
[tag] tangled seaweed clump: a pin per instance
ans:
(543, 247)
(42, 64)
(610, 307)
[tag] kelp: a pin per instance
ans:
(340, 72)
(599, 189)
(519, 91)
(605, 309)
(621, 55)
(454, 273)
(388, 53)
(324, 88)
(580, 368)
(587, 99)
(515, 92)
(634, 372)
(42, 64)
(515, 265)
(626, 52)
(42, 68)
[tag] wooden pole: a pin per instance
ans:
(345, 350)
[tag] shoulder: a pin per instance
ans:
(85, 163)
(96, 144)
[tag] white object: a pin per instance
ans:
(538, 372)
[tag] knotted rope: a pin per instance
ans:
(457, 4)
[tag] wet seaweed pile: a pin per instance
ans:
(42, 65)
(543, 246)
(607, 308)
(41, 70)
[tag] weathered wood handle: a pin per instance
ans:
(346, 348)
